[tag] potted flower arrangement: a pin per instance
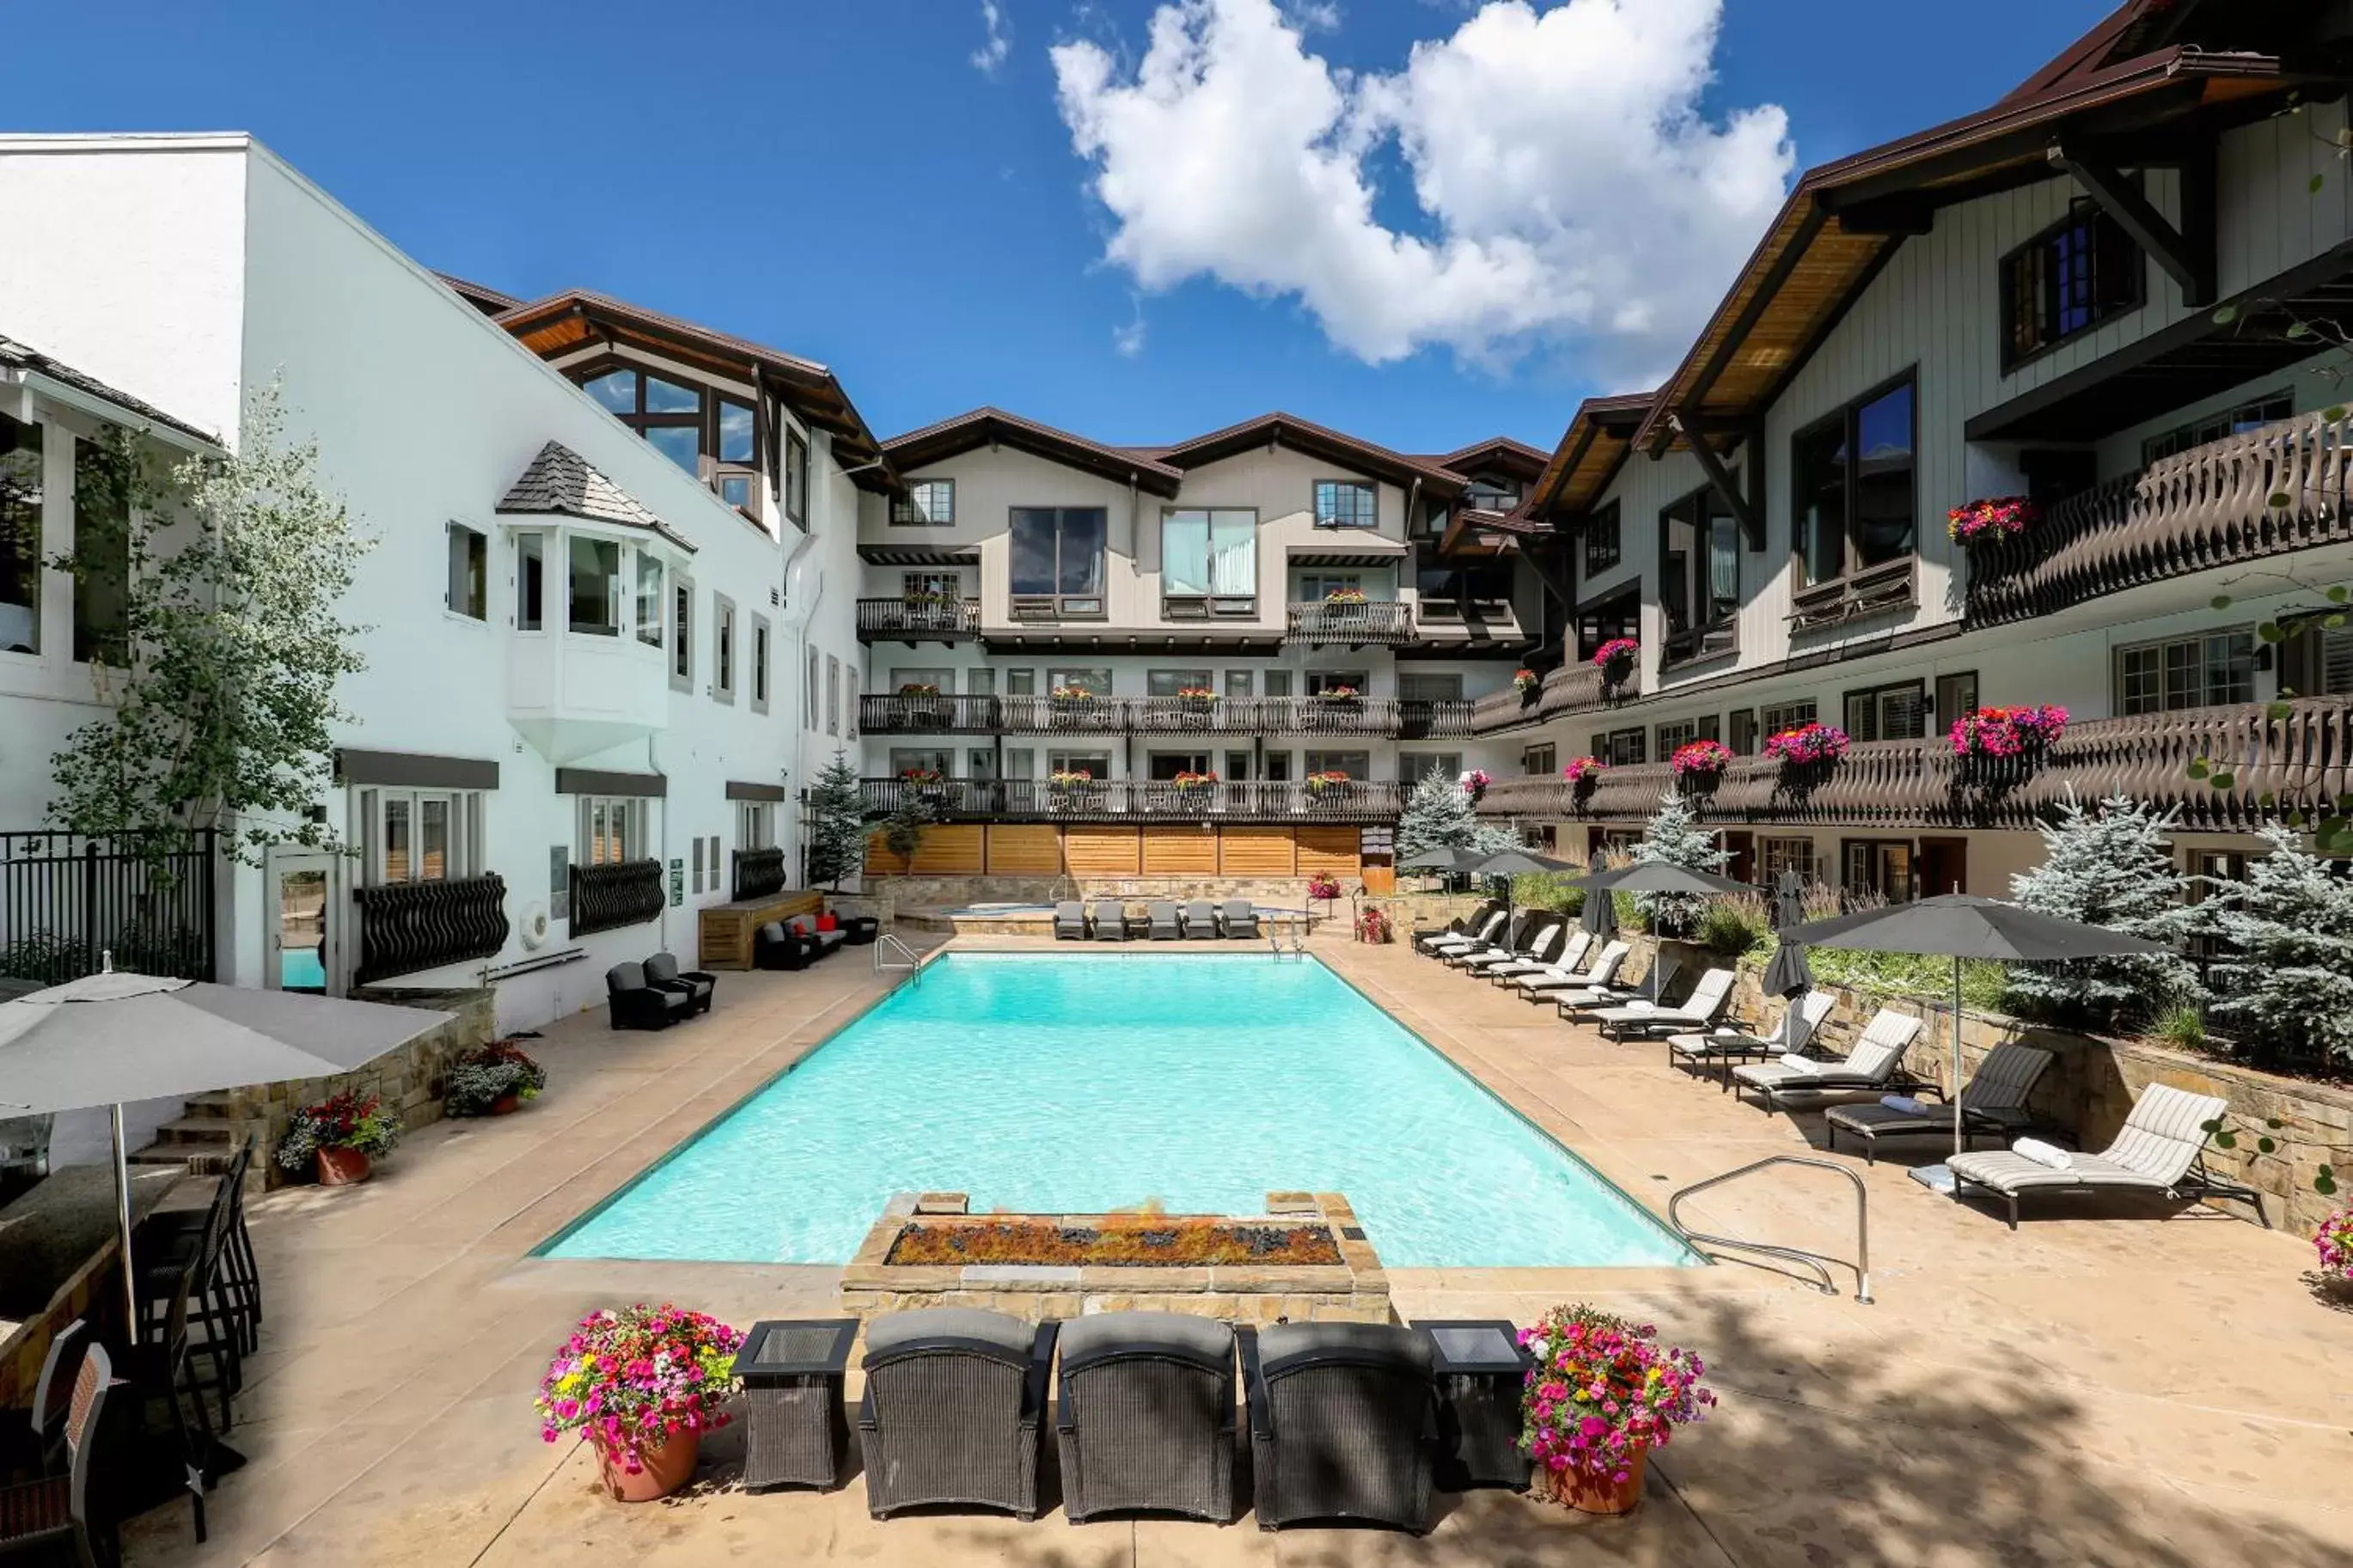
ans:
(1373, 924)
(338, 1137)
(918, 689)
(1528, 683)
(2335, 1242)
(1193, 788)
(1331, 782)
(1701, 762)
(1475, 783)
(1583, 769)
(1325, 888)
(1343, 693)
(642, 1383)
(1808, 747)
(1998, 518)
(1344, 596)
(1196, 696)
(1615, 660)
(2028, 730)
(491, 1080)
(1603, 1395)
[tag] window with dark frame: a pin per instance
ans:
(1699, 573)
(101, 551)
(1741, 731)
(1618, 615)
(796, 480)
(22, 557)
(1684, 732)
(1853, 475)
(681, 632)
(1786, 854)
(1057, 560)
(1623, 748)
(2081, 271)
(1602, 541)
(668, 413)
(530, 582)
(928, 504)
(1956, 697)
(2252, 414)
(1775, 718)
(1347, 503)
(1898, 711)
(1877, 866)
(2206, 670)
(1539, 761)
(469, 591)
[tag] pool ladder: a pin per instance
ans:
(1819, 1262)
(1298, 948)
(909, 959)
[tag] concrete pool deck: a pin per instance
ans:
(2159, 1387)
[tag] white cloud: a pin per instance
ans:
(1569, 190)
(993, 49)
(1128, 337)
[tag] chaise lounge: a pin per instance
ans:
(1993, 1102)
(1873, 1067)
(2161, 1150)
(1566, 950)
(1600, 975)
(1724, 1047)
(1643, 1021)
(1475, 936)
(1599, 999)
(1460, 925)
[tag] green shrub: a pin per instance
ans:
(1547, 891)
(1734, 925)
(2181, 1026)
(1985, 983)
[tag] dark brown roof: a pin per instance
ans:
(1590, 453)
(1300, 435)
(20, 356)
(578, 318)
(1515, 458)
(995, 427)
(490, 302)
(559, 480)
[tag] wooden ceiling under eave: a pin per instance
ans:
(1591, 451)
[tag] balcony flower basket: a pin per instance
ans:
(1475, 783)
(918, 689)
(1197, 697)
(1068, 696)
(491, 1080)
(1528, 683)
(1807, 753)
(1603, 1394)
(2020, 736)
(1338, 597)
(1699, 764)
(1615, 660)
(1991, 521)
(1329, 786)
(642, 1384)
(1341, 694)
(1583, 775)
(340, 1138)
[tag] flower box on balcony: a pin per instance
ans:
(1342, 694)
(1807, 748)
(1989, 521)
(1701, 763)
(1329, 786)
(1615, 660)
(2021, 736)
(1344, 596)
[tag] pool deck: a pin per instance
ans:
(2158, 1387)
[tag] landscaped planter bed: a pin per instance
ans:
(1158, 1243)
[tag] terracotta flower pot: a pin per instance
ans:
(506, 1105)
(1591, 1491)
(342, 1167)
(662, 1470)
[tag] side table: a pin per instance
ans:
(796, 1433)
(1480, 1372)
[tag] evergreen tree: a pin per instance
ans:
(2108, 865)
(2287, 988)
(837, 847)
(1676, 837)
(1441, 815)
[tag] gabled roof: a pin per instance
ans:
(1515, 458)
(23, 360)
(1300, 435)
(490, 302)
(580, 317)
(996, 428)
(562, 483)
(1591, 451)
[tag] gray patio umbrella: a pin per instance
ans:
(1509, 863)
(1786, 973)
(1963, 925)
(1657, 877)
(110, 1038)
(1599, 915)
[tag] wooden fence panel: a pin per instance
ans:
(1102, 851)
(1180, 849)
(1025, 850)
(1257, 852)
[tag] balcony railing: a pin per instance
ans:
(1574, 688)
(918, 620)
(758, 873)
(896, 715)
(618, 893)
(2302, 761)
(1368, 717)
(409, 927)
(1440, 720)
(1139, 800)
(2209, 506)
(1375, 622)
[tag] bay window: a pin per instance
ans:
(649, 598)
(596, 597)
(1208, 562)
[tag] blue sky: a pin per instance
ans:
(866, 185)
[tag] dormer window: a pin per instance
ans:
(710, 434)
(1491, 492)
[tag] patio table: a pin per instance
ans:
(57, 1243)
(1480, 1371)
(795, 1431)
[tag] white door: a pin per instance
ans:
(302, 919)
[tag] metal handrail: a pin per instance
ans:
(914, 961)
(1814, 1260)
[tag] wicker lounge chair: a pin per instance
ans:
(1069, 920)
(635, 1003)
(1462, 925)
(1601, 975)
(1145, 1415)
(1993, 1102)
(1477, 934)
(1568, 949)
(1163, 922)
(662, 970)
(1239, 920)
(1599, 998)
(55, 1516)
(1700, 1010)
(1722, 1046)
(1875, 1066)
(2161, 1150)
(953, 1410)
(1344, 1422)
(1109, 920)
(1201, 920)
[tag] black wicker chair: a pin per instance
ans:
(1145, 1415)
(54, 1515)
(774, 947)
(1344, 1422)
(638, 1004)
(662, 970)
(953, 1410)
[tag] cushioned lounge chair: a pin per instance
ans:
(774, 947)
(1163, 922)
(633, 1003)
(1462, 925)
(2161, 1150)
(1239, 920)
(1661, 980)
(1700, 1010)
(1514, 943)
(1541, 939)
(1599, 976)
(1724, 1046)
(1109, 922)
(1875, 1066)
(953, 1410)
(1069, 920)
(1993, 1103)
(1145, 1415)
(1344, 1422)
(1201, 920)
(1568, 950)
(1478, 934)
(662, 970)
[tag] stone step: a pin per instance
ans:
(216, 1105)
(201, 1131)
(197, 1158)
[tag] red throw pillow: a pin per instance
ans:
(827, 923)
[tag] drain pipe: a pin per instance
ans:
(653, 766)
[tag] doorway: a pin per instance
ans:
(1944, 866)
(302, 927)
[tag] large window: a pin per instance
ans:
(612, 829)
(1058, 560)
(2252, 414)
(1356, 764)
(1313, 587)
(2068, 278)
(796, 480)
(1896, 713)
(1603, 545)
(1415, 766)
(2187, 672)
(1169, 682)
(649, 598)
(1093, 682)
(1491, 492)
(1418, 688)
(1779, 855)
(20, 536)
(1449, 591)
(1684, 732)
(1539, 761)
(419, 836)
(1605, 620)
(1621, 748)
(1699, 573)
(102, 550)
(927, 503)
(596, 598)
(1347, 503)
(1854, 505)
(1878, 867)
(1208, 561)
(666, 412)
(1779, 716)
(1322, 680)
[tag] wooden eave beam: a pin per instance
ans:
(2186, 254)
(1760, 300)
(1752, 520)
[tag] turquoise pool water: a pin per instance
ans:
(1081, 1084)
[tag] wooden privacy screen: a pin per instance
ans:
(1170, 849)
(1257, 852)
(1102, 851)
(1181, 849)
(880, 861)
(1327, 851)
(1025, 850)
(952, 849)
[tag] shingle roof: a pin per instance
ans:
(980, 427)
(23, 356)
(561, 481)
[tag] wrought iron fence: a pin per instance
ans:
(758, 873)
(67, 900)
(406, 927)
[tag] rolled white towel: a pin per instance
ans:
(2043, 1154)
(1905, 1103)
(1797, 1063)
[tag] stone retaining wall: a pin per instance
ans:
(885, 896)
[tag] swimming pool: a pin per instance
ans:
(1077, 1084)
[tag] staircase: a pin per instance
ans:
(203, 1138)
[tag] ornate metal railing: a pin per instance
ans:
(897, 715)
(1574, 688)
(2280, 758)
(1139, 800)
(407, 927)
(1371, 717)
(918, 619)
(2209, 506)
(1441, 720)
(1375, 621)
(758, 873)
(620, 893)
(70, 900)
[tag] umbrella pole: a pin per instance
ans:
(122, 1216)
(1956, 1057)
